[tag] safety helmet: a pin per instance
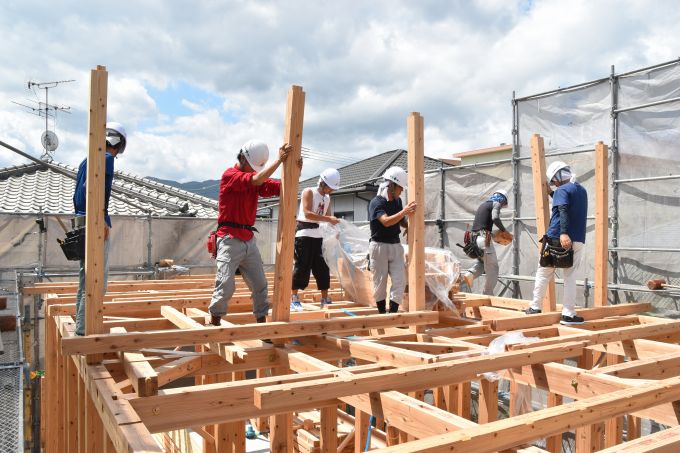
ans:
(331, 177)
(116, 136)
(502, 192)
(397, 175)
(256, 153)
(554, 169)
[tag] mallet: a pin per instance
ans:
(660, 283)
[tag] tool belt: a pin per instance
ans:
(470, 247)
(554, 255)
(305, 225)
(211, 244)
(237, 225)
(73, 245)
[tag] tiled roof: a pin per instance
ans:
(357, 176)
(477, 152)
(32, 188)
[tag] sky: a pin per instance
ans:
(192, 81)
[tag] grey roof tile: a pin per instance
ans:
(31, 188)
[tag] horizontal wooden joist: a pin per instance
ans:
(93, 344)
(419, 377)
(523, 428)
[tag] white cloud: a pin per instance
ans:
(363, 66)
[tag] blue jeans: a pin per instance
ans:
(80, 295)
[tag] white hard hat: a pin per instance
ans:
(116, 136)
(331, 177)
(397, 175)
(256, 153)
(554, 168)
(503, 192)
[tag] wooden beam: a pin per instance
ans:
(165, 338)
(666, 441)
(94, 220)
(416, 222)
(403, 379)
(541, 206)
(601, 224)
(523, 428)
(143, 377)
(283, 274)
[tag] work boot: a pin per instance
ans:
(326, 301)
(394, 307)
(381, 307)
(295, 304)
(571, 320)
(215, 320)
(532, 311)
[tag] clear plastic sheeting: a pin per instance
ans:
(345, 249)
(498, 346)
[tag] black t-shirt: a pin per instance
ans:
(483, 219)
(376, 208)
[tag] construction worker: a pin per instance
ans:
(116, 140)
(488, 214)
(240, 188)
(386, 254)
(314, 207)
(568, 230)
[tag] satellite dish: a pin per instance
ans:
(49, 141)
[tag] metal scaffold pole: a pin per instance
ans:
(614, 84)
(516, 196)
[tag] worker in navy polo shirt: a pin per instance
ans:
(568, 230)
(116, 140)
(240, 188)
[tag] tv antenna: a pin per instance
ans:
(49, 139)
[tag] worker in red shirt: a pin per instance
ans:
(240, 188)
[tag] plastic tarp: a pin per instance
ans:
(345, 249)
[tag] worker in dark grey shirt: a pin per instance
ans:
(488, 214)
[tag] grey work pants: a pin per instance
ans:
(487, 264)
(387, 259)
(80, 295)
(235, 254)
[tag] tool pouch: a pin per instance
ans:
(73, 245)
(469, 246)
(554, 255)
(212, 244)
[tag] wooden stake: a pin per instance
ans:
(601, 224)
(542, 207)
(95, 224)
(416, 222)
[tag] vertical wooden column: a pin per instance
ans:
(589, 437)
(542, 207)
(280, 426)
(613, 428)
(462, 401)
(601, 224)
(488, 401)
(416, 222)
(329, 430)
(554, 443)
(361, 420)
(95, 224)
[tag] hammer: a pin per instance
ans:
(660, 283)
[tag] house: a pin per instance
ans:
(477, 156)
(359, 184)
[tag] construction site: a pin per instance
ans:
(451, 371)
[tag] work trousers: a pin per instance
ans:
(488, 264)
(544, 276)
(387, 259)
(232, 254)
(309, 257)
(81, 295)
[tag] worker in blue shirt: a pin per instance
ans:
(568, 230)
(116, 140)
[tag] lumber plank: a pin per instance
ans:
(666, 441)
(165, 338)
(141, 374)
(94, 220)
(601, 224)
(541, 207)
(416, 222)
(410, 378)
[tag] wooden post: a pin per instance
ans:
(95, 225)
(588, 437)
(488, 401)
(361, 420)
(601, 224)
(416, 222)
(281, 432)
(542, 206)
(329, 430)
(613, 430)
(554, 443)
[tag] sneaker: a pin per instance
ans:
(532, 311)
(326, 301)
(295, 304)
(571, 320)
